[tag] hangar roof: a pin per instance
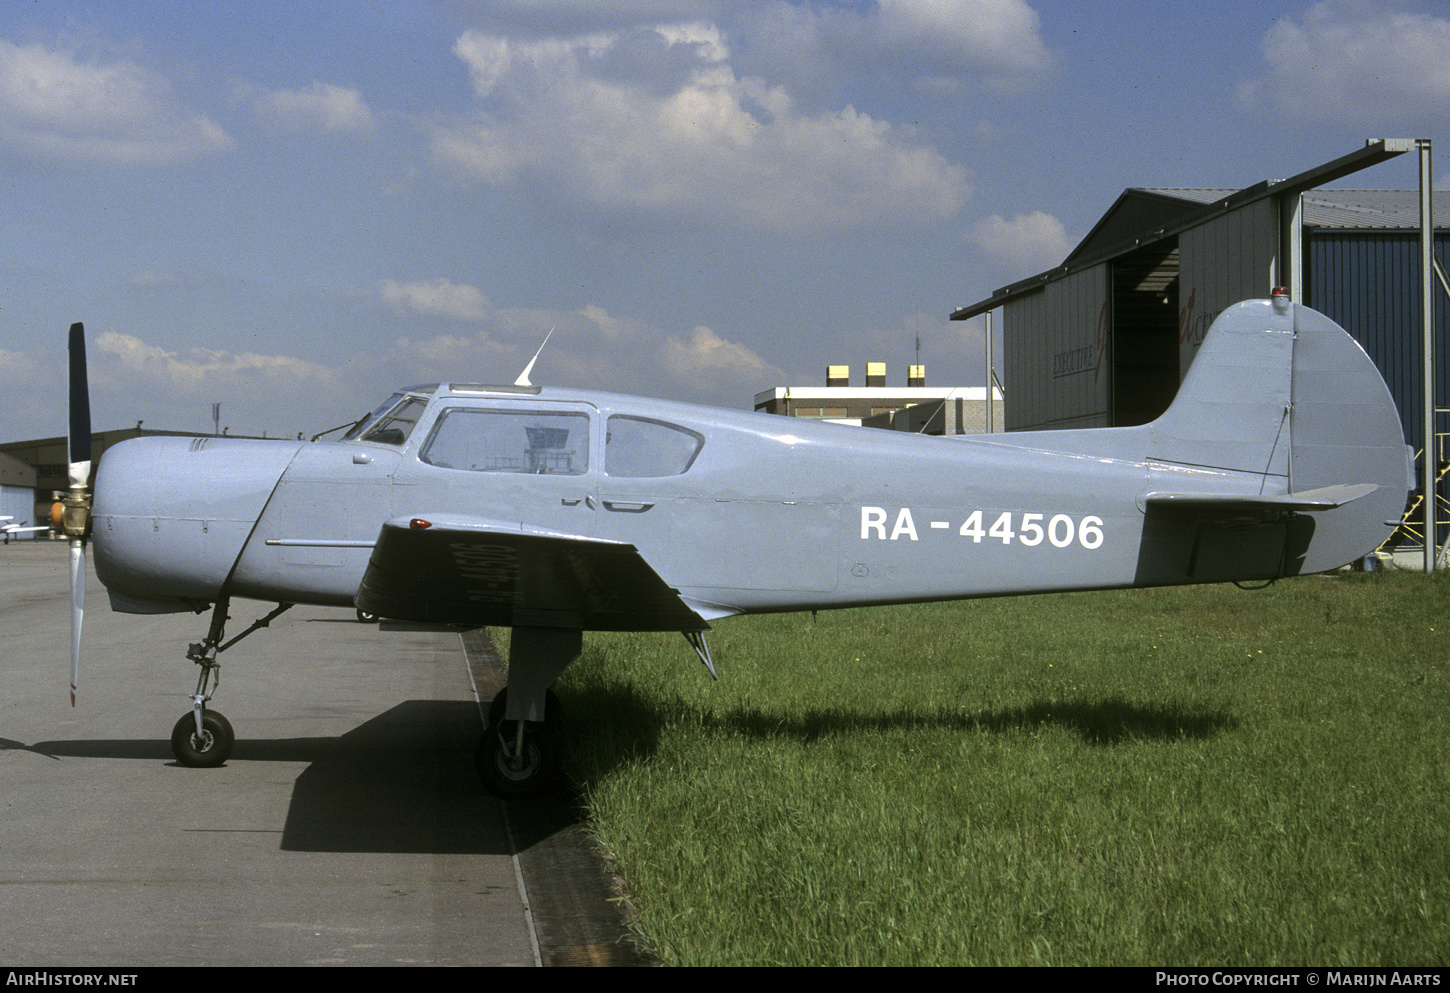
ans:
(1142, 215)
(1368, 209)
(1341, 209)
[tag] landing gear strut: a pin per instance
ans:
(519, 752)
(519, 758)
(203, 738)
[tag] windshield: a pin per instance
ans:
(357, 428)
(394, 427)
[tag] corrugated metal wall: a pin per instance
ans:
(1369, 283)
(19, 503)
(1230, 258)
(1055, 356)
(1056, 364)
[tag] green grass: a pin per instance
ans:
(1197, 775)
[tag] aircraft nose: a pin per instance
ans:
(171, 515)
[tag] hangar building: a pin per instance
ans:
(17, 493)
(1104, 339)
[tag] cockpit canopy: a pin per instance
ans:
(527, 438)
(393, 421)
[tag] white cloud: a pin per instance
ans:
(998, 40)
(232, 373)
(591, 348)
(633, 356)
(446, 355)
(582, 116)
(487, 59)
(53, 105)
(935, 46)
(1353, 61)
(1028, 243)
(705, 353)
(321, 106)
(19, 367)
(440, 298)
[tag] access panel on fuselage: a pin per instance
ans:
(314, 538)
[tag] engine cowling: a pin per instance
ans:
(171, 516)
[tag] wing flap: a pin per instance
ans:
(488, 573)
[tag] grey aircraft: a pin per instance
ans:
(556, 512)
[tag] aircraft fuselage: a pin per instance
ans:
(745, 512)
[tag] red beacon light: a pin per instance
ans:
(418, 524)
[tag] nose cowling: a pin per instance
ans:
(171, 515)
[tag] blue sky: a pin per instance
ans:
(291, 208)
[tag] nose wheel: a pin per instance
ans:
(205, 746)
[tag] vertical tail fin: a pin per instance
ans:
(1232, 410)
(1281, 394)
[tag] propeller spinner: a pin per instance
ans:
(76, 517)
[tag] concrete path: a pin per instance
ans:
(347, 828)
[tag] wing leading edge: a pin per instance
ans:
(485, 573)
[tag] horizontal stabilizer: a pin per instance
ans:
(1322, 498)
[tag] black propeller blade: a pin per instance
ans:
(80, 398)
(77, 513)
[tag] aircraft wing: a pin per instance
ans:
(477, 572)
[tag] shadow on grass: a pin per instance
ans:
(1111, 720)
(630, 726)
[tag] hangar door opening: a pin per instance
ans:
(1145, 332)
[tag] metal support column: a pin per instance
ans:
(1427, 331)
(991, 375)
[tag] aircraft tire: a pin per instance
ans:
(535, 777)
(215, 746)
(364, 617)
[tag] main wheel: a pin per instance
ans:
(364, 617)
(533, 772)
(209, 749)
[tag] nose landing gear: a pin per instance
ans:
(203, 738)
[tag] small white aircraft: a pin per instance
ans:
(7, 529)
(556, 512)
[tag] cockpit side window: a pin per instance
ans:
(636, 447)
(395, 426)
(474, 439)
